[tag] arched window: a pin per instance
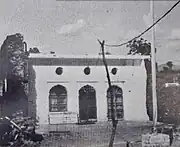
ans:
(118, 102)
(58, 99)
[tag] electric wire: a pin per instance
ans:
(122, 44)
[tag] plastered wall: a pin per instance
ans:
(132, 80)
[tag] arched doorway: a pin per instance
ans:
(118, 102)
(58, 99)
(87, 104)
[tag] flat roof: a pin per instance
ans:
(84, 60)
(55, 56)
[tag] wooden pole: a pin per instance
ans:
(153, 68)
(114, 120)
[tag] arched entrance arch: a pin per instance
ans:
(87, 104)
(58, 99)
(118, 102)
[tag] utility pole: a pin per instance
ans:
(153, 68)
(114, 120)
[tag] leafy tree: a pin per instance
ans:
(139, 47)
(170, 64)
(165, 69)
(142, 47)
(14, 59)
(16, 56)
(34, 50)
(52, 52)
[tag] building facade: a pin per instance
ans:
(73, 89)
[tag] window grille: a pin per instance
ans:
(58, 99)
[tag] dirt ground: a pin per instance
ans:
(95, 135)
(98, 135)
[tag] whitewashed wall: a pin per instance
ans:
(73, 78)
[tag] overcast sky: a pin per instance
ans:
(73, 27)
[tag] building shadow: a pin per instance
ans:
(15, 99)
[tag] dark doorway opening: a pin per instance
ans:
(87, 105)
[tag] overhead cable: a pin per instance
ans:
(118, 45)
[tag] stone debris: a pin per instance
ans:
(155, 140)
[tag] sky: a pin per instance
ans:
(73, 27)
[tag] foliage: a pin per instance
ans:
(168, 98)
(14, 59)
(165, 69)
(168, 67)
(13, 48)
(140, 46)
(34, 50)
(169, 64)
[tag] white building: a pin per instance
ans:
(72, 89)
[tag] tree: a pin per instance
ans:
(170, 65)
(112, 93)
(34, 50)
(139, 47)
(165, 69)
(13, 51)
(142, 47)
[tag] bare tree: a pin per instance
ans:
(114, 120)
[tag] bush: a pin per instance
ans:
(168, 100)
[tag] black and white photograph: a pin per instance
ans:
(89, 73)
